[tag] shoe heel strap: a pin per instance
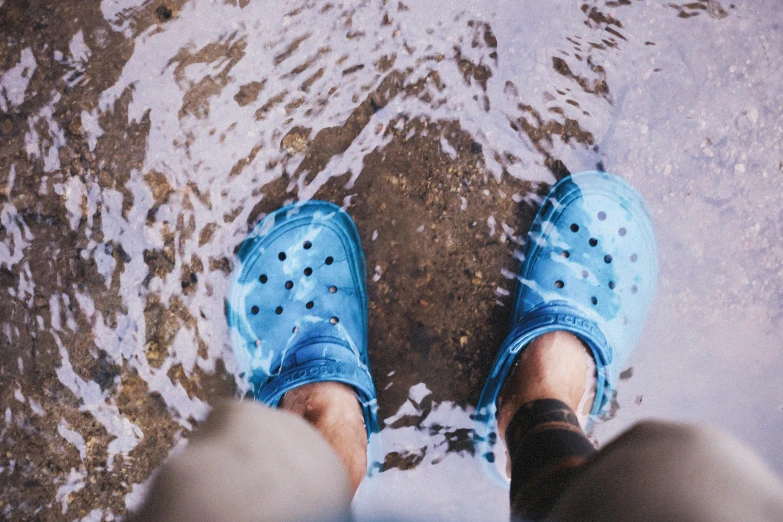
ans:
(320, 370)
(550, 317)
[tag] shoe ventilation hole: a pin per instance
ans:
(309, 305)
(332, 289)
(279, 310)
(634, 257)
(634, 289)
(611, 285)
(622, 231)
(334, 320)
(289, 285)
(295, 329)
(602, 215)
(593, 242)
(565, 254)
(585, 273)
(594, 300)
(559, 284)
(607, 259)
(254, 310)
(329, 260)
(574, 227)
(258, 342)
(281, 256)
(308, 271)
(307, 245)
(263, 278)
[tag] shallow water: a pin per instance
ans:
(142, 141)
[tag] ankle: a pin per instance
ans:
(333, 409)
(553, 366)
(321, 401)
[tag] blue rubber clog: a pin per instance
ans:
(590, 267)
(297, 306)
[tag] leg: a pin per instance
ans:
(298, 318)
(250, 462)
(585, 286)
(297, 311)
(590, 268)
(332, 408)
(666, 471)
(537, 419)
(654, 471)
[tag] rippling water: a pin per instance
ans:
(141, 142)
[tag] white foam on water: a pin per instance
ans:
(31, 141)
(182, 350)
(378, 272)
(26, 286)
(36, 407)
(443, 485)
(418, 392)
(74, 484)
(119, 13)
(79, 50)
(72, 437)
(9, 336)
(352, 160)
(138, 493)
(54, 308)
(101, 405)
(97, 515)
(14, 82)
(73, 194)
(17, 234)
(48, 146)
(491, 223)
(91, 128)
(450, 151)
(86, 303)
(510, 234)
(11, 179)
(104, 261)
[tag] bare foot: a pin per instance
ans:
(334, 410)
(554, 366)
